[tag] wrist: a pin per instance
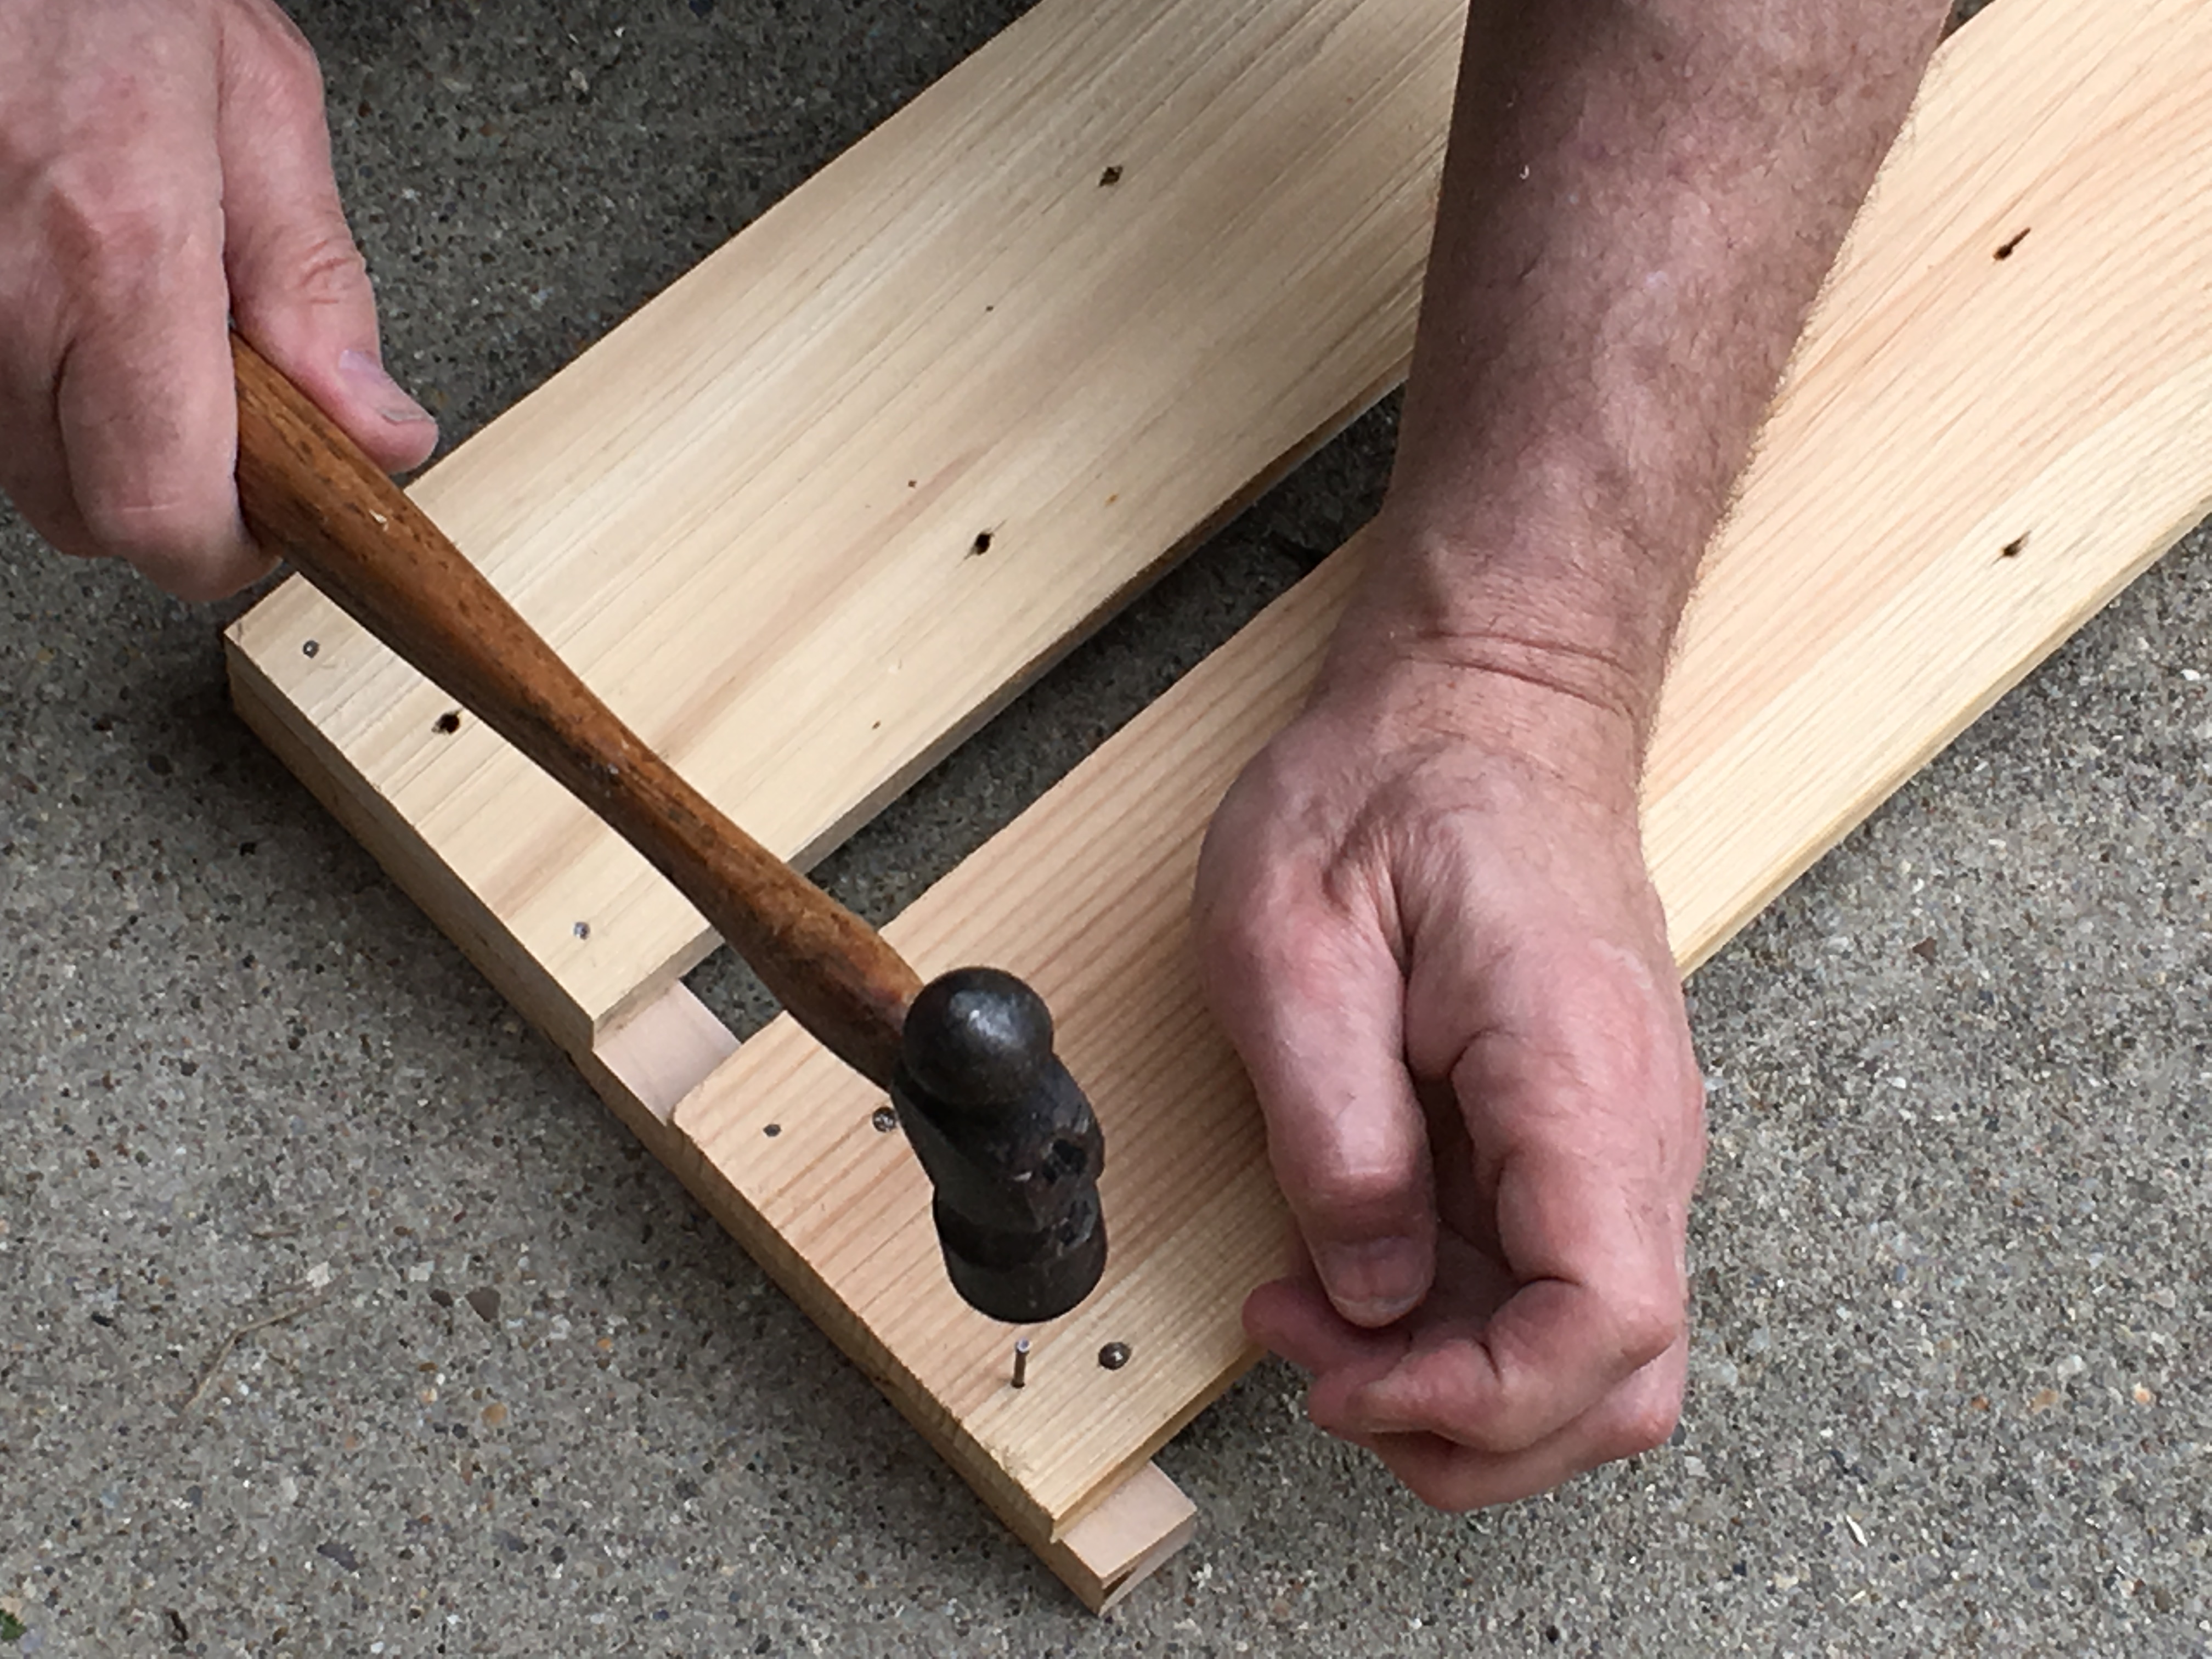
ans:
(1546, 642)
(1476, 706)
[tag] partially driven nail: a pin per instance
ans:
(389, 398)
(1375, 1282)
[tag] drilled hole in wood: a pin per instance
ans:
(448, 723)
(2011, 549)
(982, 544)
(1111, 177)
(2005, 250)
(771, 1130)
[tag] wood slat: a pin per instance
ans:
(749, 517)
(1858, 609)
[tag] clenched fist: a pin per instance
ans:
(164, 170)
(1425, 922)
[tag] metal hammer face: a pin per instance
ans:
(1009, 1142)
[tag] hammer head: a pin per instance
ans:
(1009, 1142)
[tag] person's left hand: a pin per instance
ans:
(1424, 922)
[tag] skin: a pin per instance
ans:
(164, 165)
(1422, 911)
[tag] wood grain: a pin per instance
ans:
(749, 517)
(1969, 455)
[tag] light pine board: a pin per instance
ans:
(1856, 611)
(749, 517)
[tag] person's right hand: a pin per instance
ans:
(165, 168)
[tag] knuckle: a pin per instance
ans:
(150, 532)
(1648, 1327)
(328, 269)
(1278, 940)
(1333, 1189)
(1246, 943)
(1234, 942)
(1646, 1425)
(288, 63)
(111, 238)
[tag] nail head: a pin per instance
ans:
(1114, 1356)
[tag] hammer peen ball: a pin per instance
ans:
(978, 1036)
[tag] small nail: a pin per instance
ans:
(1375, 1282)
(390, 398)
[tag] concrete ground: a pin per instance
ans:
(511, 1393)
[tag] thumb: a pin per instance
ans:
(299, 286)
(1313, 1002)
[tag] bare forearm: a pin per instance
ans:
(1430, 887)
(1640, 203)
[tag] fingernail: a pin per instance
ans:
(390, 398)
(1375, 1282)
(1362, 1415)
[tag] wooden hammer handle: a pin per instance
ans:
(308, 491)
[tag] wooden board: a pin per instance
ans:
(750, 516)
(1945, 403)
(1858, 610)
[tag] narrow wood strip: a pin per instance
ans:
(1114, 1548)
(1858, 609)
(812, 515)
(665, 1050)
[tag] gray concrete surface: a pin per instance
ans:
(520, 1396)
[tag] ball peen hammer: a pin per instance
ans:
(1009, 1142)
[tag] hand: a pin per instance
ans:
(1424, 919)
(164, 166)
